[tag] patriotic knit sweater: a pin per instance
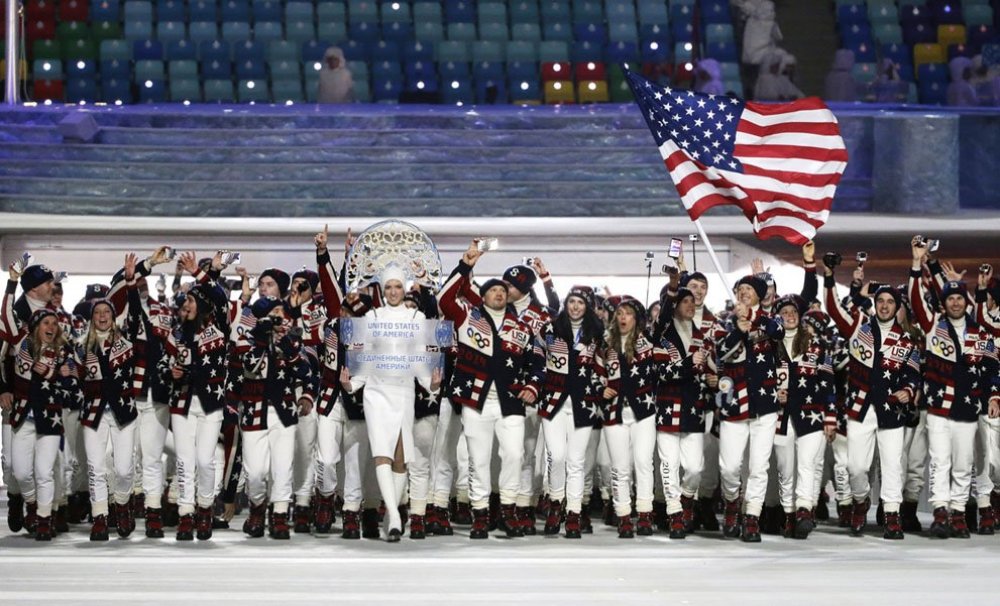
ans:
(749, 359)
(43, 396)
(879, 367)
(113, 372)
(681, 395)
(492, 354)
(276, 375)
(634, 381)
(809, 379)
(960, 361)
(571, 374)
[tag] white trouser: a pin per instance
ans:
(987, 459)
(329, 439)
(680, 451)
(734, 436)
(75, 453)
(359, 469)
(480, 428)
(304, 476)
(861, 439)
(590, 464)
(444, 453)
(566, 460)
(462, 469)
(122, 442)
(709, 473)
(267, 459)
(6, 457)
(951, 445)
(631, 444)
(154, 421)
(603, 463)
(195, 437)
(798, 459)
(33, 458)
(419, 468)
(915, 458)
(835, 468)
(531, 474)
(21, 459)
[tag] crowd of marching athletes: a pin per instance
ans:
(170, 409)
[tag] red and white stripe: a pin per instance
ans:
(793, 157)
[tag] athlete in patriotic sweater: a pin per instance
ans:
(884, 377)
(747, 355)
(961, 384)
(497, 372)
(682, 397)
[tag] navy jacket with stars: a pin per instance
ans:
(634, 381)
(681, 395)
(749, 359)
(875, 372)
(275, 375)
(570, 374)
(112, 373)
(43, 395)
(960, 371)
(808, 377)
(505, 356)
(202, 355)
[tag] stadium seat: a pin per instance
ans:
(928, 53)
(524, 91)
(300, 31)
(116, 89)
(147, 49)
(553, 50)
(719, 32)
(149, 70)
(184, 68)
(138, 30)
(715, 11)
(106, 10)
(487, 70)
(492, 12)
(270, 10)
(106, 30)
(250, 69)
(591, 70)
(555, 10)
(235, 32)
(453, 50)
(491, 90)
(524, 11)
(48, 90)
(362, 11)
(385, 51)
(427, 11)
(288, 89)
(185, 89)
(459, 11)
(461, 31)
(215, 50)
(428, 31)
(584, 50)
(170, 10)
(82, 89)
(652, 12)
(312, 50)
(234, 11)
(453, 69)
(46, 49)
(587, 11)
(486, 50)
(47, 69)
(73, 10)
(980, 14)
(249, 50)
(266, 32)
(138, 10)
(624, 32)
(592, 91)
(203, 31)
(457, 91)
(622, 52)
(417, 50)
(590, 32)
(386, 90)
(298, 11)
(152, 91)
(522, 69)
(558, 30)
(216, 68)
(951, 34)
(167, 31)
(879, 13)
(888, 33)
(255, 91)
(203, 10)
(522, 50)
(115, 69)
(526, 31)
(932, 92)
(556, 70)
(559, 91)
(219, 91)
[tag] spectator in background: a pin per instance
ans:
(840, 84)
(985, 84)
(889, 86)
(761, 34)
(960, 91)
(336, 85)
(773, 83)
(708, 78)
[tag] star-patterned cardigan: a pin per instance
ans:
(634, 381)
(809, 379)
(44, 395)
(570, 374)
(875, 373)
(504, 356)
(960, 371)
(749, 360)
(113, 375)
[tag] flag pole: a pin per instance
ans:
(712, 255)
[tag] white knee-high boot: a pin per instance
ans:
(399, 481)
(387, 486)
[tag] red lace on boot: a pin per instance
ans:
(959, 528)
(511, 522)
(554, 519)
(573, 530)
(417, 529)
(444, 522)
(678, 527)
(254, 524)
(625, 527)
(185, 527)
(352, 525)
(526, 521)
(731, 522)
(126, 523)
(203, 523)
(99, 531)
(43, 529)
(154, 524)
(987, 520)
(480, 524)
(323, 514)
(644, 526)
(279, 526)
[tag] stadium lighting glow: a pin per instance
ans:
(420, 85)
(289, 102)
(251, 84)
(80, 65)
(118, 101)
(555, 67)
(557, 85)
(46, 66)
(455, 84)
(591, 66)
(395, 6)
(592, 85)
(654, 45)
(317, 66)
(48, 102)
(149, 84)
(688, 66)
(688, 46)
(187, 102)
(524, 86)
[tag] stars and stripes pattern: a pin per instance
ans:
(779, 163)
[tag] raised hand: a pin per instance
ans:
(130, 263)
(983, 280)
(809, 252)
(950, 273)
(757, 266)
(472, 254)
(345, 379)
(321, 238)
(188, 262)
(159, 256)
(539, 267)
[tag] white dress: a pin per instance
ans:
(389, 401)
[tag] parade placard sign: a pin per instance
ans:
(395, 348)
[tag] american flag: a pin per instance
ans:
(780, 163)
